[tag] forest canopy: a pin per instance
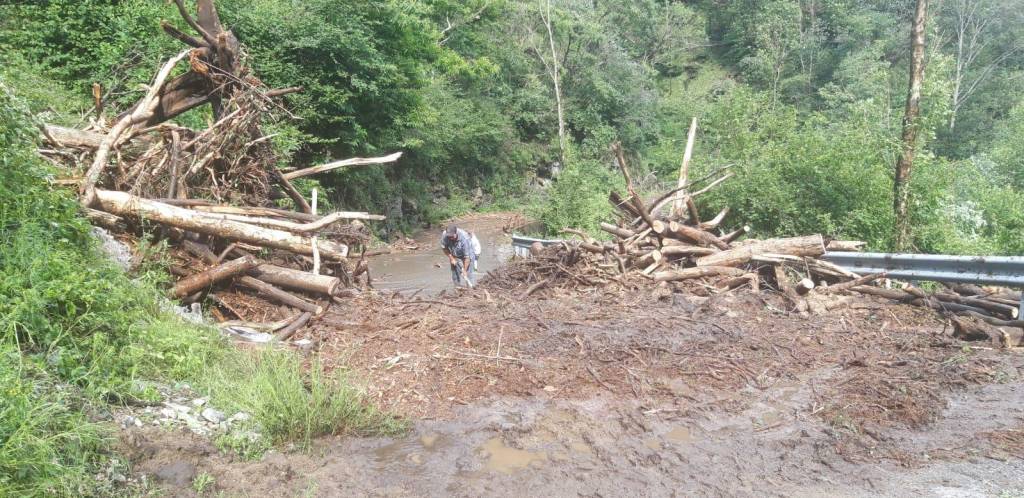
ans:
(803, 99)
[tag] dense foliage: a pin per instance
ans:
(802, 97)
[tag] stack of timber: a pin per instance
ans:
(215, 195)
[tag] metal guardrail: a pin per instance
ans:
(992, 270)
(521, 244)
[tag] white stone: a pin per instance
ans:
(213, 416)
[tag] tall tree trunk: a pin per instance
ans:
(901, 186)
(555, 77)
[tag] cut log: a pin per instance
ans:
(124, 204)
(699, 272)
(970, 329)
(686, 250)
(278, 295)
(357, 161)
(993, 307)
(70, 137)
(105, 220)
(617, 231)
(832, 289)
(297, 280)
(648, 259)
(206, 279)
(290, 330)
(845, 245)
(804, 286)
(735, 234)
(680, 231)
(811, 245)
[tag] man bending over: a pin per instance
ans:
(458, 245)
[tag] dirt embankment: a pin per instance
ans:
(641, 393)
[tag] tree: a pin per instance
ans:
(901, 184)
(545, 16)
(976, 23)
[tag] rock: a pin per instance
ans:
(179, 473)
(213, 416)
(199, 402)
(176, 407)
(117, 251)
(239, 417)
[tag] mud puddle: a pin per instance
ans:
(609, 446)
(426, 268)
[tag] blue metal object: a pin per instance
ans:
(521, 244)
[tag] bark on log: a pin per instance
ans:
(703, 271)
(975, 330)
(290, 330)
(691, 207)
(106, 220)
(648, 259)
(357, 161)
(680, 231)
(70, 137)
(124, 204)
(845, 245)
(207, 278)
(714, 222)
(993, 307)
(832, 289)
(617, 231)
(278, 294)
(300, 228)
(296, 279)
(247, 211)
(811, 245)
(686, 250)
(684, 168)
(293, 193)
(735, 234)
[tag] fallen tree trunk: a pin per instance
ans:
(207, 278)
(299, 322)
(976, 330)
(698, 272)
(243, 210)
(686, 250)
(714, 222)
(296, 279)
(992, 307)
(279, 295)
(357, 161)
(124, 204)
(853, 283)
(106, 220)
(812, 245)
(70, 137)
(845, 245)
(735, 234)
(617, 231)
(680, 231)
(288, 226)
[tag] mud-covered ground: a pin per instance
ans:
(646, 393)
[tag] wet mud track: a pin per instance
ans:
(631, 395)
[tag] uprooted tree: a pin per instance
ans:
(213, 189)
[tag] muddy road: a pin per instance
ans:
(643, 394)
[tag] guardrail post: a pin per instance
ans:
(1020, 308)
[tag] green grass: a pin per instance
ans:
(76, 333)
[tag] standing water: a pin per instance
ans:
(426, 268)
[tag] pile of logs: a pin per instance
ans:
(214, 194)
(668, 240)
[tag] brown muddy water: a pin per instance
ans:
(426, 268)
